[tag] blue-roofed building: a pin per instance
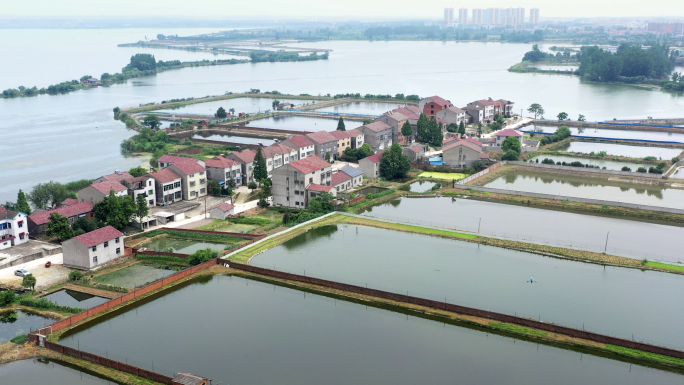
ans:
(355, 174)
(436, 161)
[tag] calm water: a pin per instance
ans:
(619, 134)
(370, 108)
(46, 371)
(421, 186)
(608, 164)
(183, 246)
(75, 299)
(611, 301)
(16, 323)
(557, 68)
(233, 139)
(248, 105)
(301, 123)
(576, 186)
(134, 276)
(623, 150)
(75, 137)
(679, 174)
(289, 337)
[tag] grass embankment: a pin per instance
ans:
(644, 355)
(528, 67)
(664, 266)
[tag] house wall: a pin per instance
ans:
(173, 193)
(378, 140)
(93, 195)
(449, 117)
(323, 148)
(149, 189)
(369, 169)
(302, 152)
(247, 169)
(79, 256)
(225, 174)
(288, 193)
(343, 144)
(220, 214)
(460, 156)
(193, 185)
(357, 141)
(16, 227)
(75, 254)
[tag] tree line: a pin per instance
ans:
(629, 61)
(263, 56)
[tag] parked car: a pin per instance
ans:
(21, 272)
(48, 264)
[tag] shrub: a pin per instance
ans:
(44, 303)
(547, 161)
(625, 168)
(642, 169)
(75, 275)
(675, 159)
(7, 298)
(201, 256)
(20, 339)
(510, 155)
(651, 158)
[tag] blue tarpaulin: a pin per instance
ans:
(436, 161)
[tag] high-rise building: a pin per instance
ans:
(534, 16)
(666, 27)
(463, 16)
(520, 15)
(448, 17)
(477, 16)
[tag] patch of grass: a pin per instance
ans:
(424, 230)
(205, 237)
(664, 266)
(46, 304)
(517, 329)
(20, 339)
(645, 355)
(442, 175)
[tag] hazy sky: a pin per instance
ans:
(327, 9)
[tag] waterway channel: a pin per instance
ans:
(47, 371)
(266, 334)
(608, 300)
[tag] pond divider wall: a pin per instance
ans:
(479, 174)
(208, 232)
(461, 310)
(632, 174)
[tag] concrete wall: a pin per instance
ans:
(479, 174)
(287, 193)
(591, 170)
(369, 169)
(220, 214)
(460, 156)
(90, 194)
(79, 256)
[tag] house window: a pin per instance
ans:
(296, 192)
(202, 191)
(192, 184)
(21, 235)
(116, 240)
(191, 176)
(149, 183)
(310, 180)
(21, 224)
(106, 244)
(296, 203)
(118, 250)
(151, 202)
(176, 185)
(192, 193)
(149, 192)
(203, 181)
(95, 259)
(201, 172)
(95, 248)
(177, 195)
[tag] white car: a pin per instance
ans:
(21, 272)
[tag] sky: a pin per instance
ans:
(325, 9)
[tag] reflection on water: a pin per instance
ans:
(16, 323)
(601, 163)
(48, 371)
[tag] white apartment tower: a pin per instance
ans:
(448, 17)
(478, 15)
(463, 16)
(534, 16)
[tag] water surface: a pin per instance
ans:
(622, 150)
(300, 123)
(421, 186)
(601, 163)
(232, 139)
(73, 298)
(183, 246)
(617, 134)
(16, 323)
(247, 105)
(366, 108)
(47, 371)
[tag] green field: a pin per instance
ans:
(133, 276)
(442, 175)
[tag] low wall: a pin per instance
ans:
(588, 169)
(152, 252)
(222, 143)
(237, 235)
(463, 310)
(479, 174)
(357, 200)
(572, 199)
(31, 257)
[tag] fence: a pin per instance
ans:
(554, 328)
(357, 200)
(632, 174)
(479, 174)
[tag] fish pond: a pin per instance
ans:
(133, 276)
(247, 105)
(594, 188)
(617, 134)
(73, 298)
(365, 108)
(277, 335)
(601, 163)
(48, 371)
(622, 150)
(183, 246)
(15, 323)
(300, 123)
(607, 300)
(214, 135)
(421, 186)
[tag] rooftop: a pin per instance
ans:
(339, 177)
(439, 101)
(220, 162)
(396, 116)
(108, 185)
(321, 137)
(177, 159)
(509, 132)
(374, 158)
(118, 176)
(99, 236)
(456, 110)
(310, 164)
(419, 148)
(352, 171)
(340, 134)
(301, 141)
(225, 206)
(463, 143)
(189, 379)
(354, 132)
(246, 155)
(319, 187)
(69, 202)
(189, 168)
(377, 126)
(8, 214)
(164, 175)
(67, 211)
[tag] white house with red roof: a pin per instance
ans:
(292, 181)
(341, 181)
(93, 249)
(37, 222)
(302, 144)
(462, 153)
(277, 155)
(503, 134)
(430, 106)
(142, 185)
(370, 166)
(224, 170)
(193, 179)
(222, 211)
(167, 160)
(13, 228)
(167, 185)
(246, 159)
(98, 191)
(377, 134)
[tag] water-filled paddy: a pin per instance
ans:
(16, 323)
(594, 188)
(73, 298)
(288, 337)
(366, 108)
(232, 139)
(601, 163)
(247, 105)
(622, 150)
(133, 276)
(370, 190)
(616, 134)
(301, 123)
(47, 371)
(615, 301)
(183, 246)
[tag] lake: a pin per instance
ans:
(601, 163)
(586, 232)
(48, 371)
(289, 337)
(248, 105)
(622, 150)
(73, 298)
(366, 108)
(74, 136)
(614, 301)
(617, 134)
(16, 323)
(595, 188)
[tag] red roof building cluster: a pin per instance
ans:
(340, 134)
(301, 141)
(247, 155)
(310, 164)
(165, 175)
(98, 236)
(109, 185)
(177, 159)
(67, 211)
(377, 126)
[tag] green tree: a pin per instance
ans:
(114, 210)
(221, 113)
(536, 109)
(322, 203)
(75, 275)
(48, 194)
(394, 163)
(367, 121)
(161, 36)
(7, 297)
(422, 126)
(562, 116)
(479, 130)
(510, 155)
(232, 110)
(22, 203)
(511, 143)
(265, 192)
(275, 103)
(327, 156)
(141, 209)
(138, 171)
(461, 129)
(340, 125)
(581, 118)
(29, 281)
(452, 127)
(252, 186)
(59, 227)
(260, 170)
(201, 256)
(434, 135)
(152, 121)
(84, 224)
(407, 130)
(116, 110)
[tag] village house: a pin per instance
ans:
(224, 170)
(452, 115)
(341, 181)
(301, 144)
(356, 138)
(167, 160)
(98, 191)
(142, 185)
(355, 174)
(396, 120)
(323, 143)
(378, 135)
(415, 153)
(430, 106)
(462, 153)
(93, 249)
(13, 228)
(222, 211)
(314, 190)
(68, 202)
(474, 114)
(412, 113)
(193, 179)
(276, 155)
(343, 141)
(167, 185)
(503, 134)
(370, 166)
(246, 160)
(37, 223)
(292, 181)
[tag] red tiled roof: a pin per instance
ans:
(140, 179)
(377, 126)
(464, 143)
(69, 202)
(509, 132)
(339, 177)
(321, 137)
(99, 236)
(355, 132)
(456, 110)
(340, 134)
(301, 141)
(396, 115)
(486, 102)
(108, 185)
(453, 138)
(374, 158)
(412, 108)
(245, 155)
(408, 113)
(220, 162)
(310, 164)
(319, 187)
(484, 155)
(419, 148)
(439, 101)
(67, 211)
(3, 210)
(279, 148)
(164, 175)
(225, 207)
(118, 177)
(189, 168)
(177, 159)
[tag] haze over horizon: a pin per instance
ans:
(314, 9)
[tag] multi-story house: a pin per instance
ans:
(93, 249)
(355, 174)
(224, 170)
(167, 185)
(167, 160)
(302, 144)
(37, 223)
(396, 120)
(474, 113)
(13, 228)
(294, 183)
(246, 160)
(488, 107)
(504, 134)
(98, 191)
(378, 134)
(370, 166)
(452, 115)
(142, 185)
(323, 143)
(343, 141)
(341, 181)
(286, 154)
(356, 138)
(193, 179)
(430, 106)
(462, 153)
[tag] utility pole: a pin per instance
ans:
(205, 207)
(606, 247)
(478, 226)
